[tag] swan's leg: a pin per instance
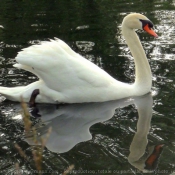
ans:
(33, 97)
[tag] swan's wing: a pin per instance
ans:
(46, 54)
(62, 68)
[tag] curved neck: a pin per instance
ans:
(142, 68)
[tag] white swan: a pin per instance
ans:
(67, 77)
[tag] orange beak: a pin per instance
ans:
(152, 159)
(150, 31)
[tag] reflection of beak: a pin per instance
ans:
(152, 160)
(150, 31)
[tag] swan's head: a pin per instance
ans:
(139, 21)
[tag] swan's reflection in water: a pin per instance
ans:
(139, 157)
(70, 126)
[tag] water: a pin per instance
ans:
(102, 138)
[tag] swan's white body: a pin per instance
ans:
(67, 77)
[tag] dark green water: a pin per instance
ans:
(91, 28)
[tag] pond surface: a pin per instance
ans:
(114, 137)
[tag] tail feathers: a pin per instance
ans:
(25, 92)
(13, 94)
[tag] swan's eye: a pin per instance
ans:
(146, 22)
(150, 25)
(147, 26)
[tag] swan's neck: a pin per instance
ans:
(143, 80)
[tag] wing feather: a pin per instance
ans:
(60, 67)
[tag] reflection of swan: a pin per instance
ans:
(65, 76)
(70, 125)
(139, 143)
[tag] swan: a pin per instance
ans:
(67, 77)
